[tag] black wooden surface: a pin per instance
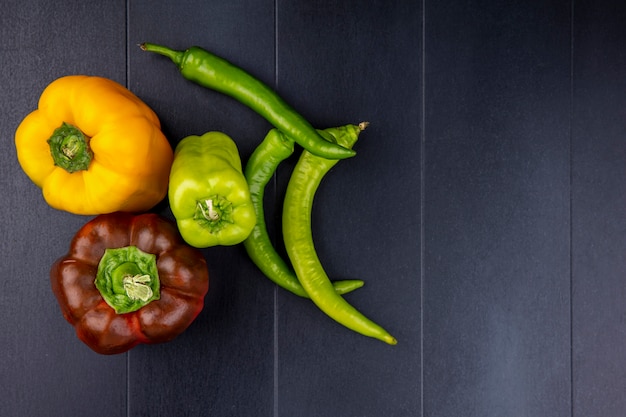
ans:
(484, 210)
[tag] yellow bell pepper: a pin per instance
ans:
(93, 147)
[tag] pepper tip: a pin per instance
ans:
(389, 339)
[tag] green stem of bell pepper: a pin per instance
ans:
(128, 278)
(214, 213)
(69, 148)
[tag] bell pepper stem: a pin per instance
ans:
(211, 213)
(214, 212)
(127, 279)
(136, 287)
(69, 148)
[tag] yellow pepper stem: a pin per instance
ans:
(69, 148)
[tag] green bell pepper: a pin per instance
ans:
(208, 193)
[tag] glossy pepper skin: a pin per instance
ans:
(259, 170)
(94, 147)
(182, 276)
(305, 180)
(211, 71)
(208, 193)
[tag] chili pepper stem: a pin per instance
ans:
(176, 56)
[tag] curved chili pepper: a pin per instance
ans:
(127, 280)
(211, 71)
(262, 164)
(303, 184)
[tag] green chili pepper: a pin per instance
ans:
(303, 184)
(208, 193)
(211, 71)
(262, 164)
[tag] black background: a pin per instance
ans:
(484, 210)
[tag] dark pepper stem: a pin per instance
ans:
(128, 279)
(70, 149)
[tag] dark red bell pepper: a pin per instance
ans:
(129, 279)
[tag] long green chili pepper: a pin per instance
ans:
(303, 184)
(275, 148)
(211, 71)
